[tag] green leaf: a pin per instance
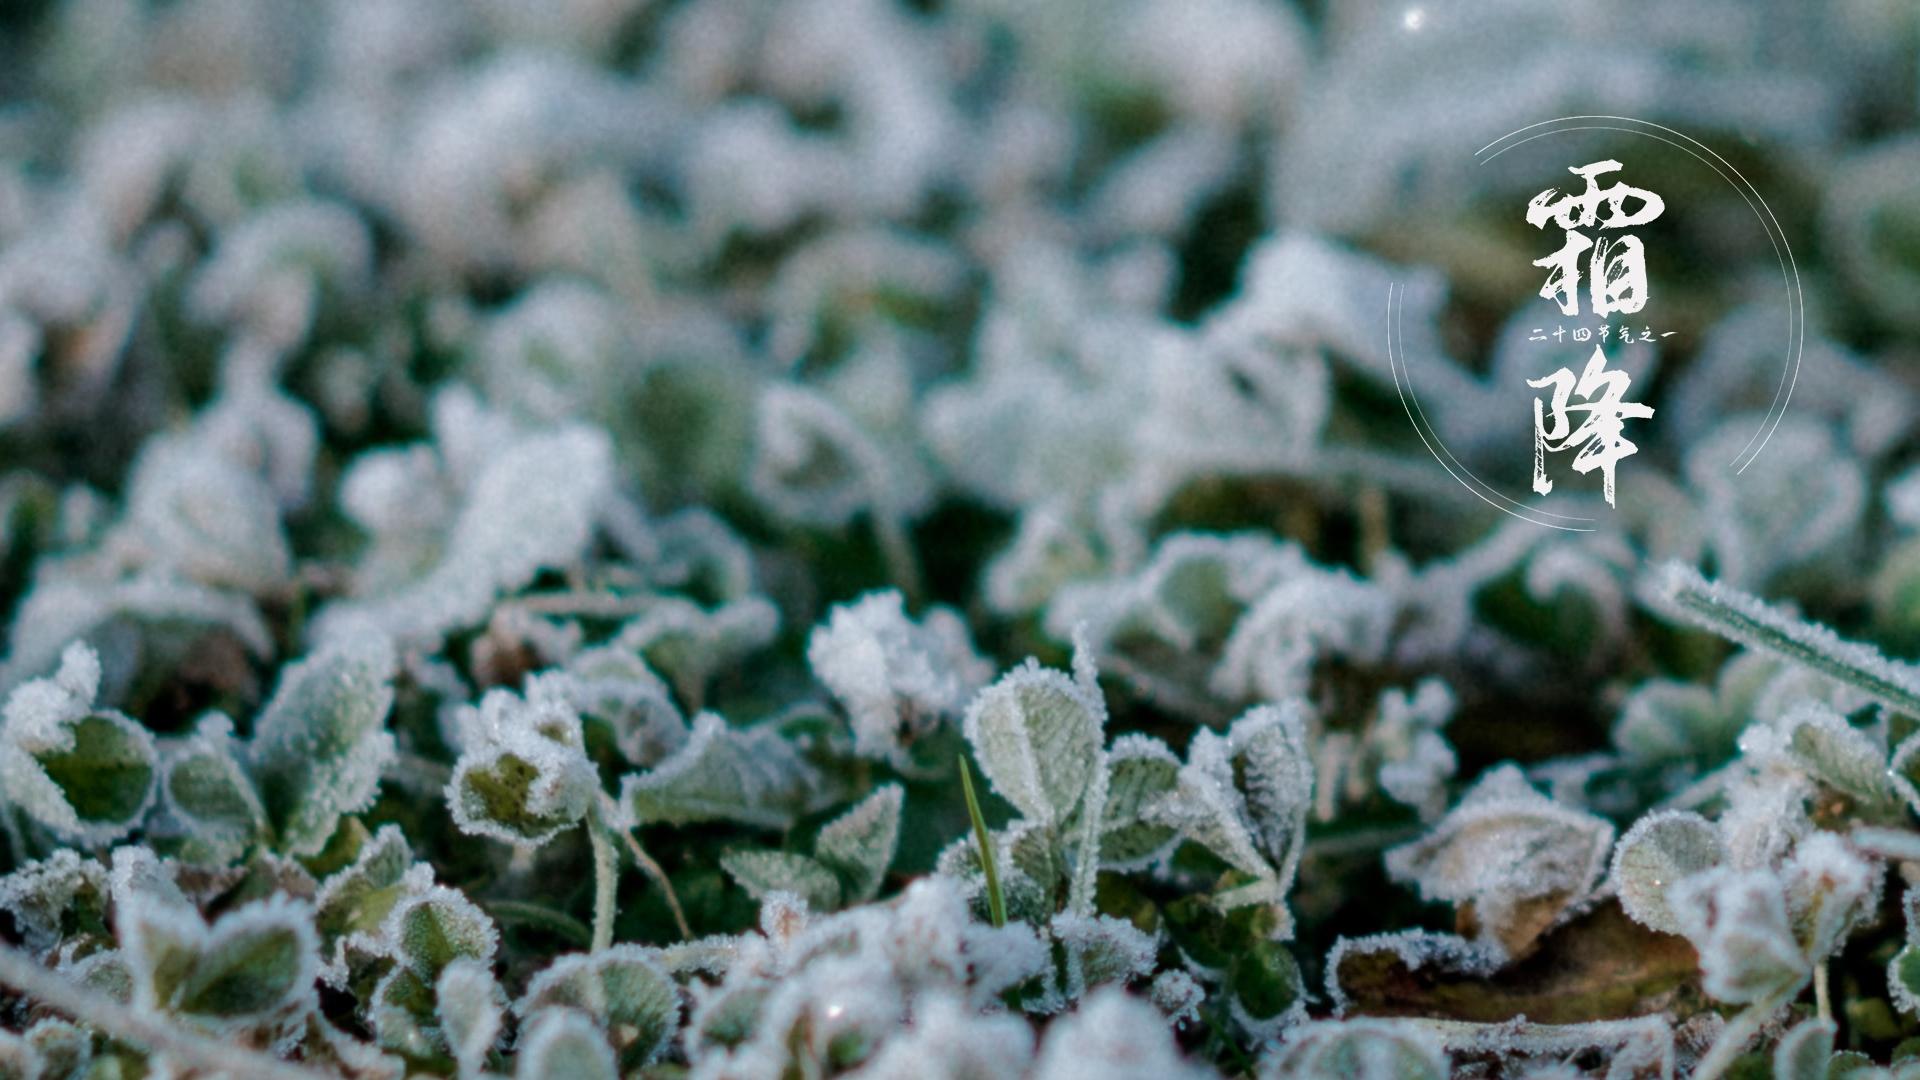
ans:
(1805, 1051)
(436, 926)
(353, 904)
(623, 988)
(1363, 1049)
(320, 744)
(764, 872)
(1141, 770)
(87, 775)
(1661, 849)
(564, 1043)
(1038, 735)
(747, 775)
(253, 964)
(205, 786)
(858, 846)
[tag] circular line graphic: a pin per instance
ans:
(1783, 254)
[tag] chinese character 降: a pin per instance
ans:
(1599, 436)
(1617, 266)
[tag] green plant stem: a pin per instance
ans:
(1822, 997)
(658, 876)
(996, 901)
(111, 1018)
(606, 879)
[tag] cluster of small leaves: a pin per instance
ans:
(522, 523)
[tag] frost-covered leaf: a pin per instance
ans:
(470, 1006)
(1112, 1033)
(1140, 771)
(1515, 855)
(255, 963)
(1804, 1051)
(623, 988)
(1836, 753)
(529, 505)
(764, 872)
(85, 773)
(319, 745)
(616, 689)
(1245, 797)
(858, 846)
(722, 773)
(61, 895)
(1102, 949)
(1658, 852)
(564, 1042)
(690, 644)
(1830, 891)
(353, 904)
(1359, 1049)
(523, 775)
(1737, 919)
(433, 927)
(1037, 735)
(897, 679)
(206, 518)
(204, 784)
(1680, 591)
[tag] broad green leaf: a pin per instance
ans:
(747, 775)
(1660, 850)
(623, 988)
(88, 775)
(564, 1043)
(205, 785)
(1037, 735)
(319, 745)
(1141, 770)
(858, 846)
(764, 872)
(436, 926)
(252, 965)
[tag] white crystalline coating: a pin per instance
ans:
(617, 688)
(1112, 1036)
(1503, 844)
(523, 775)
(951, 1040)
(528, 504)
(765, 873)
(139, 876)
(1680, 592)
(723, 773)
(1662, 849)
(897, 679)
(55, 747)
(1362, 1049)
(564, 1042)
(1765, 817)
(998, 958)
(624, 988)
(1037, 735)
(39, 894)
(1738, 921)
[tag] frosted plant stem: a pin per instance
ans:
(110, 1017)
(606, 879)
(1745, 619)
(1736, 1035)
(1821, 998)
(658, 876)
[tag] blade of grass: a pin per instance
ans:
(996, 901)
(1747, 620)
